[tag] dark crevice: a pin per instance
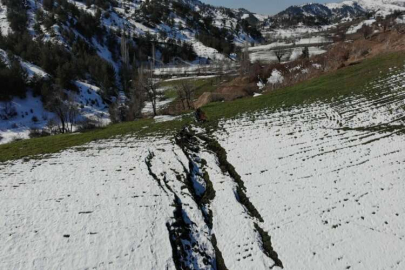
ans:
(219, 260)
(268, 247)
(189, 144)
(180, 231)
(148, 162)
(226, 167)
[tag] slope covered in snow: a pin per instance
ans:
(383, 6)
(316, 185)
(315, 14)
(328, 183)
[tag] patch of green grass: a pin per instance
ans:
(201, 84)
(339, 84)
(53, 144)
(336, 85)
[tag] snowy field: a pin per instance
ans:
(268, 56)
(331, 198)
(325, 181)
(114, 205)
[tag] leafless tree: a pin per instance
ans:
(245, 60)
(65, 109)
(116, 112)
(52, 126)
(148, 86)
(126, 67)
(279, 54)
(136, 99)
(185, 92)
(367, 31)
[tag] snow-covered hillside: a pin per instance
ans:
(314, 14)
(316, 186)
(92, 49)
(383, 6)
(328, 181)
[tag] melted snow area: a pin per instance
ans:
(324, 181)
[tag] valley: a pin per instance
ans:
(180, 135)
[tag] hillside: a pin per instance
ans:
(318, 15)
(274, 181)
(147, 134)
(91, 52)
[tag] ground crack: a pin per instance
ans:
(185, 246)
(199, 185)
(241, 196)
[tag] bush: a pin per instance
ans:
(9, 111)
(34, 119)
(38, 133)
(88, 124)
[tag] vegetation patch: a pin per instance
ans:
(337, 85)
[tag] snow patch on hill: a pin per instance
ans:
(4, 24)
(310, 178)
(19, 116)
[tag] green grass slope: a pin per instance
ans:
(339, 84)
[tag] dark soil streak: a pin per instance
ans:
(226, 167)
(180, 231)
(268, 247)
(188, 143)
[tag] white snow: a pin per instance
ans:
(33, 70)
(331, 199)
(328, 184)
(26, 111)
(383, 7)
(356, 28)
(31, 114)
(115, 223)
(4, 24)
(268, 56)
(161, 104)
(275, 78)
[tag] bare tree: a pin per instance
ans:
(367, 31)
(65, 109)
(279, 54)
(126, 67)
(136, 99)
(148, 85)
(245, 60)
(185, 92)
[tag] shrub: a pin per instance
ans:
(37, 133)
(88, 124)
(9, 111)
